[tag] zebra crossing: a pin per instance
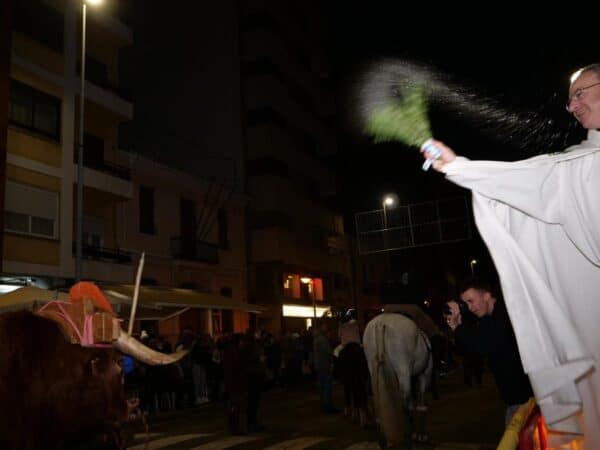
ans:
(214, 441)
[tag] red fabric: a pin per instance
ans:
(85, 289)
(533, 434)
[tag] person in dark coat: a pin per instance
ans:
(495, 341)
(323, 360)
(253, 358)
(235, 381)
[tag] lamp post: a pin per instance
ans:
(472, 264)
(79, 237)
(389, 201)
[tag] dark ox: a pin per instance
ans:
(53, 392)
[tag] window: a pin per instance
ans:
(34, 110)
(147, 210)
(291, 285)
(227, 292)
(39, 21)
(32, 211)
(227, 320)
(223, 231)
(93, 232)
(96, 71)
(93, 151)
(303, 287)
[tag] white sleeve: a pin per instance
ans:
(531, 186)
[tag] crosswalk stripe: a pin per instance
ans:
(227, 442)
(458, 446)
(366, 445)
(165, 442)
(297, 444)
(139, 436)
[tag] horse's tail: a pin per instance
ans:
(386, 389)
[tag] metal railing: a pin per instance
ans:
(104, 166)
(194, 250)
(113, 255)
(413, 225)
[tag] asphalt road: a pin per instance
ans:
(463, 418)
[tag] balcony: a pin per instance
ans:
(112, 255)
(100, 165)
(96, 72)
(192, 249)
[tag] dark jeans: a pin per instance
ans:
(355, 374)
(326, 390)
(255, 383)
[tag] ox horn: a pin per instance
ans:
(131, 346)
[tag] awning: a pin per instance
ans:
(172, 300)
(155, 303)
(28, 297)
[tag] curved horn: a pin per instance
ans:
(139, 351)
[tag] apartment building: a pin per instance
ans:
(191, 230)
(298, 253)
(42, 138)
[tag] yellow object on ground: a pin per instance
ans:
(510, 439)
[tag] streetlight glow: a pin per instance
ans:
(93, 2)
(472, 264)
(389, 201)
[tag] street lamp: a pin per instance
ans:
(79, 238)
(389, 201)
(472, 264)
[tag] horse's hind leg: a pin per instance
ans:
(420, 413)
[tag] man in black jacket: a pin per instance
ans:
(495, 341)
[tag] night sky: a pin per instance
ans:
(524, 63)
(521, 61)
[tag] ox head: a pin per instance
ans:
(88, 320)
(56, 391)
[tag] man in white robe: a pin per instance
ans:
(540, 219)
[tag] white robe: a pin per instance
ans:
(540, 219)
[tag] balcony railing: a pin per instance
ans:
(194, 250)
(103, 166)
(112, 255)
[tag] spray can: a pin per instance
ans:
(433, 152)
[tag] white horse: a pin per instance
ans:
(397, 351)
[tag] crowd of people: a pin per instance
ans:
(237, 367)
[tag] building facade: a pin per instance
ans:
(192, 230)
(42, 138)
(299, 264)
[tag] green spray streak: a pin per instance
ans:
(403, 120)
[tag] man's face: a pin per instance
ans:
(479, 302)
(584, 103)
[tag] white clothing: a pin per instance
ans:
(540, 219)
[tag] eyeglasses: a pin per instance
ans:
(578, 94)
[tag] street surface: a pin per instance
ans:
(462, 419)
